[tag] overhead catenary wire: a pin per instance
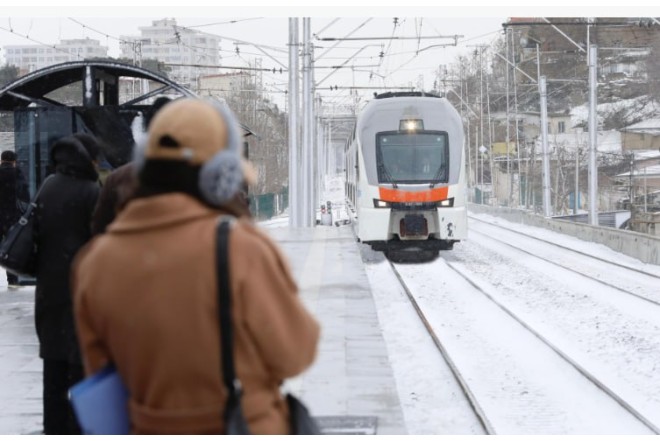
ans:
(97, 31)
(327, 26)
(194, 48)
(226, 22)
(389, 72)
(201, 52)
(52, 46)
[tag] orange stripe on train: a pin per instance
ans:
(431, 195)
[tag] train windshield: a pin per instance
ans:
(412, 158)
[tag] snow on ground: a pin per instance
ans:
(614, 335)
(635, 109)
(571, 242)
(20, 365)
(521, 384)
(430, 396)
(594, 323)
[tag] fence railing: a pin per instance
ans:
(269, 205)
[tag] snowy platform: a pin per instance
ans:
(20, 365)
(350, 387)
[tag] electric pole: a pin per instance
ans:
(547, 209)
(295, 218)
(309, 212)
(593, 128)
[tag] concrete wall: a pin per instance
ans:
(640, 246)
(639, 141)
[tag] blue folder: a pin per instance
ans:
(101, 403)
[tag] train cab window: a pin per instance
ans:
(412, 158)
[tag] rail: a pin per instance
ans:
(641, 246)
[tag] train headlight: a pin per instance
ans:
(411, 125)
(381, 204)
(446, 203)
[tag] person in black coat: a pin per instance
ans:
(62, 227)
(13, 188)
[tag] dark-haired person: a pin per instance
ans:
(63, 219)
(13, 187)
(122, 181)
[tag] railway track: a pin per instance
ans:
(489, 425)
(474, 404)
(593, 256)
(652, 278)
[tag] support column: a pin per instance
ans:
(547, 208)
(294, 128)
(593, 131)
(308, 130)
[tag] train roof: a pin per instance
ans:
(405, 94)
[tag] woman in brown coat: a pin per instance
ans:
(146, 291)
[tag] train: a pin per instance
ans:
(405, 182)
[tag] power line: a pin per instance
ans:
(364, 88)
(97, 31)
(577, 23)
(428, 37)
(225, 22)
(40, 42)
(385, 53)
(273, 70)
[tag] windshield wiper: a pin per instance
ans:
(439, 174)
(388, 176)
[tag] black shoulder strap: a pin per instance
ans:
(41, 187)
(33, 203)
(224, 305)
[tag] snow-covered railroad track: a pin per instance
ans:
(517, 381)
(619, 276)
(485, 424)
(619, 264)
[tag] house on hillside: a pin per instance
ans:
(644, 135)
(643, 177)
(529, 127)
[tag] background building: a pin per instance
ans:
(186, 52)
(223, 85)
(30, 57)
(645, 135)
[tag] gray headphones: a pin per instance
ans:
(221, 177)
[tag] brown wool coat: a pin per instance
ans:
(145, 297)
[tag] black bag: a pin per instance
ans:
(302, 422)
(18, 251)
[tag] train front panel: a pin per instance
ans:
(410, 174)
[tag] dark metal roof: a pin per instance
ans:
(33, 87)
(41, 82)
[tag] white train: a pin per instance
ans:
(405, 175)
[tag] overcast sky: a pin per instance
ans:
(406, 61)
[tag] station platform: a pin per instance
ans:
(350, 387)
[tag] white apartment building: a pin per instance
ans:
(31, 57)
(222, 85)
(177, 47)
